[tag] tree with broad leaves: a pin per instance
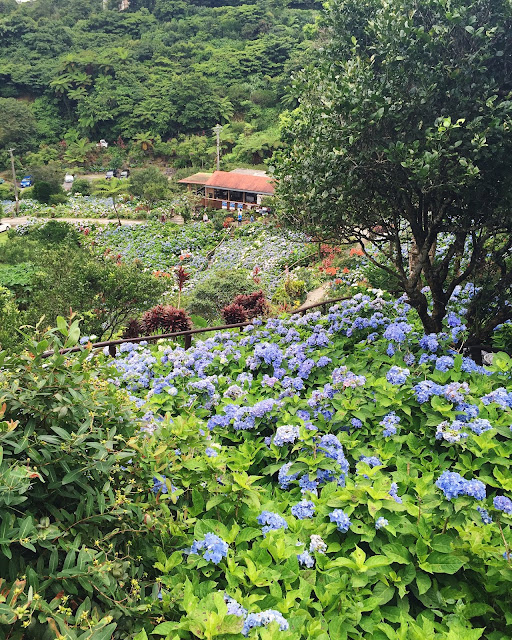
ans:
(403, 137)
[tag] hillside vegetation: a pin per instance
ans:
(147, 78)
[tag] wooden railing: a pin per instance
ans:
(187, 335)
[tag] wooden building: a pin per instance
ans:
(230, 190)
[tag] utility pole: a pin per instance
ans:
(217, 129)
(15, 184)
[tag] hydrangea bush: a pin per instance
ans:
(340, 501)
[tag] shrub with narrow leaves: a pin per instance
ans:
(234, 314)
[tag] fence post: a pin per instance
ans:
(188, 341)
(112, 350)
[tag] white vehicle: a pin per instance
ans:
(4, 227)
(103, 144)
(69, 178)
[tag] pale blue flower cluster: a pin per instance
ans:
(303, 509)
(287, 434)
(397, 375)
(340, 518)
(381, 522)
(272, 521)
(234, 607)
(213, 548)
(389, 423)
(486, 518)
(263, 619)
(502, 503)
(306, 559)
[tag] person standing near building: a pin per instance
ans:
(239, 218)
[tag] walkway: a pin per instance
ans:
(315, 296)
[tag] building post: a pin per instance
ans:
(16, 197)
(217, 129)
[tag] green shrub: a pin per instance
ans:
(65, 507)
(9, 319)
(6, 191)
(217, 290)
(55, 232)
(26, 194)
(42, 191)
(58, 198)
(82, 186)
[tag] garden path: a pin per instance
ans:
(317, 295)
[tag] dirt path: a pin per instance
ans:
(317, 295)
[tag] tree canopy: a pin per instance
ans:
(166, 68)
(403, 138)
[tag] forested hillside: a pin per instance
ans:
(155, 76)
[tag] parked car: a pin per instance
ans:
(112, 173)
(4, 227)
(69, 178)
(27, 181)
(102, 144)
(125, 173)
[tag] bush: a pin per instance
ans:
(82, 186)
(104, 292)
(6, 191)
(234, 314)
(58, 198)
(217, 290)
(9, 319)
(67, 520)
(55, 232)
(165, 318)
(254, 304)
(42, 191)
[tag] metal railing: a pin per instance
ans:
(187, 335)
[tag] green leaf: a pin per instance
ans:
(442, 563)
(423, 582)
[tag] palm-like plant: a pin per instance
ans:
(112, 188)
(145, 140)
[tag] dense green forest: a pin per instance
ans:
(152, 79)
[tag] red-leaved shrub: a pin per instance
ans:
(234, 314)
(165, 318)
(133, 329)
(254, 304)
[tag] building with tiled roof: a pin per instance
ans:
(232, 190)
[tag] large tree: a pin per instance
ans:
(403, 137)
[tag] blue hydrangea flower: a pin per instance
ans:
(286, 434)
(213, 548)
(502, 503)
(341, 519)
(393, 492)
(263, 619)
(211, 453)
(429, 343)
(234, 607)
(272, 521)
(159, 485)
(388, 422)
(453, 485)
(381, 522)
(444, 363)
(356, 423)
(303, 509)
(283, 478)
(486, 518)
(397, 375)
(305, 559)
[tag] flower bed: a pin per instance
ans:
(337, 476)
